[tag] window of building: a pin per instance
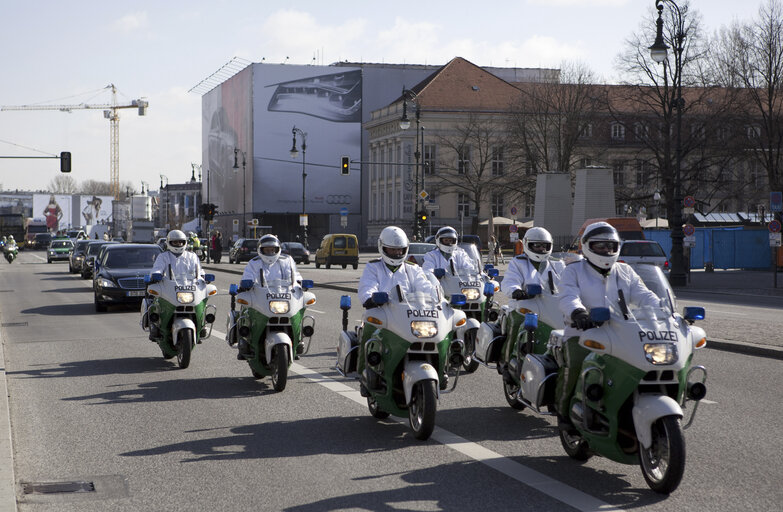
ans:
(389, 206)
(754, 132)
(698, 131)
(463, 160)
(463, 205)
(390, 162)
(642, 173)
(398, 160)
(530, 168)
(429, 159)
(641, 131)
(618, 131)
(585, 162)
(530, 204)
(587, 131)
(497, 161)
(496, 204)
(374, 166)
(619, 173)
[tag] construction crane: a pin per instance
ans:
(110, 112)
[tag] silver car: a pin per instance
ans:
(417, 250)
(649, 252)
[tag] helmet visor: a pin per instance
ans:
(604, 247)
(448, 240)
(540, 247)
(394, 252)
(177, 243)
(270, 250)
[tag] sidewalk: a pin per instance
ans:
(739, 282)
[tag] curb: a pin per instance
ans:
(7, 477)
(737, 347)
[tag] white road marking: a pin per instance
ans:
(519, 472)
(724, 312)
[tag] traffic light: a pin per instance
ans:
(213, 209)
(422, 217)
(345, 165)
(65, 161)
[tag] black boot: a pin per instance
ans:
(243, 351)
(444, 382)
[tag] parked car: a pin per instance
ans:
(338, 249)
(120, 271)
(93, 248)
(636, 252)
(244, 249)
(417, 250)
(297, 251)
(463, 240)
(42, 241)
(59, 249)
(77, 256)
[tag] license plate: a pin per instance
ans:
(136, 293)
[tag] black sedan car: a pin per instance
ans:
(90, 253)
(77, 256)
(244, 249)
(119, 273)
(297, 251)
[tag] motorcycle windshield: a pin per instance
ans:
(420, 300)
(182, 278)
(279, 286)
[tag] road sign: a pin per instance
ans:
(343, 211)
(774, 239)
(423, 194)
(513, 237)
(774, 226)
(512, 228)
(343, 221)
(689, 202)
(303, 219)
(236, 222)
(689, 241)
(254, 222)
(433, 206)
(513, 210)
(776, 201)
(688, 229)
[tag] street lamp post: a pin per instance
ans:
(164, 177)
(244, 184)
(294, 154)
(657, 199)
(405, 124)
(659, 53)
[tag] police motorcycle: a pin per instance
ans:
(178, 302)
(408, 355)
(632, 389)
(273, 323)
(479, 290)
(199, 251)
(10, 252)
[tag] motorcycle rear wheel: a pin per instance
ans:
(471, 364)
(184, 347)
(280, 362)
(421, 411)
(372, 405)
(663, 464)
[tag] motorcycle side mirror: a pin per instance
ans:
(209, 277)
(345, 302)
(493, 273)
(307, 284)
(246, 284)
(533, 290)
(693, 313)
(380, 298)
(439, 272)
(458, 300)
(531, 321)
(488, 266)
(489, 289)
(598, 315)
(233, 290)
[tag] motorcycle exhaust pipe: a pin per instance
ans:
(696, 390)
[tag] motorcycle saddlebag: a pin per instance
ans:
(347, 352)
(486, 350)
(539, 378)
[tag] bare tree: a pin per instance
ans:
(470, 161)
(63, 184)
(750, 56)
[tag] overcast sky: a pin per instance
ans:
(56, 52)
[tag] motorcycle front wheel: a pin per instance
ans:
(372, 405)
(663, 464)
(471, 364)
(510, 391)
(421, 411)
(184, 346)
(280, 363)
(574, 445)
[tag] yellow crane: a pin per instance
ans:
(110, 112)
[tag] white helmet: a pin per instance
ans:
(537, 244)
(269, 257)
(601, 245)
(393, 245)
(176, 241)
(443, 234)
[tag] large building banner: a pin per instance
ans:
(54, 209)
(94, 210)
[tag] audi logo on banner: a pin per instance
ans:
(338, 199)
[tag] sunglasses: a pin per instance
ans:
(607, 247)
(177, 243)
(541, 246)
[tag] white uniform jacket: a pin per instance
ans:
(462, 261)
(169, 264)
(521, 273)
(584, 287)
(282, 269)
(378, 278)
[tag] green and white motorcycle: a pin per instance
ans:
(272, 324)
(407, 356)
(177, 314)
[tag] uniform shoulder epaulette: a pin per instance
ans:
(574, 261)
(410, 262)
(520, 257)
(285, 256)
(376, 260)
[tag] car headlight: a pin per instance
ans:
(660, 353)
(79, 258)
(471, 293)
(424, 329)
(51, 252)
(279, 307)
(105, 283)
(185, 297)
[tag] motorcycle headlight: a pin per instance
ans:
(471, 293)
(185, 297)
(424, 329)
(660, 353)
(79, 258)
(279, 307)
(105, 283)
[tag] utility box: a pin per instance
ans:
(553, 205)
(142, 231)
(141, 207)
(593, 196)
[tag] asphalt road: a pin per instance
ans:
(91, 399)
